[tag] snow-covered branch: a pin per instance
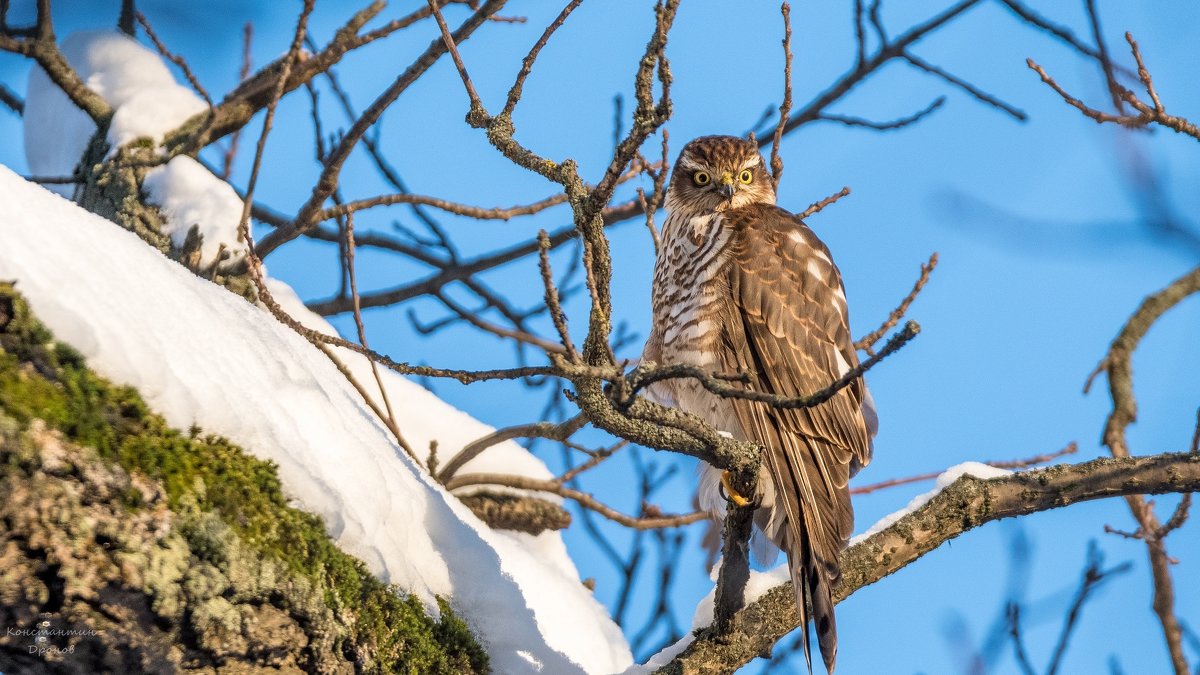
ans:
(964, 505)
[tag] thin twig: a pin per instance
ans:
(548, 430)
(518, 335)
(11, 101)
(1146, 114)
(293, 54)
(557, 315)
(481, 213)
(1093, 577)
(890, 125)
(651, 205)
(174, 58)
(1063, 33)
(231, 150)
(390, 419)
(514, 94)
(971, 89)
(592, 462)
(641, 377)
(860, 35)
(650, 227)
(452, 46)
(1106, 65)
(785, 108)
(1014, 629)
(1070, 449)
(817, 207)
(867, 342)
(1098, 116)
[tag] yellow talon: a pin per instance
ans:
(732, 494)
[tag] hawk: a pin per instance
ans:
(741, 285)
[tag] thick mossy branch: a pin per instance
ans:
(227, 507)
(966, 504)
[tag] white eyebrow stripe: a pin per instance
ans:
(688, 163)
(754, 161)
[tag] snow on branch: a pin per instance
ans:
(965, 505)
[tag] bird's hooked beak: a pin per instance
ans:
(727, 187)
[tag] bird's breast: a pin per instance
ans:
(688, 298)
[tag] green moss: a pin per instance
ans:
(41, 379)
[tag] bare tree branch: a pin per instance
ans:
(254, 94)
(39, 44)
(817, 207)
(785, 108)
(863, 68)
(971, 89)
(1119, 367)
(514, 94)
(327, 183)
(645, 375)
(173, 58)
(1153, 113)
(582, 498)
(549, 430)
(1070, 449)
(867, 342)
(388, 420)
(890, 125)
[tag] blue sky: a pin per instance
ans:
(1043, 256)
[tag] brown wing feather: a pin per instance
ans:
(786, 326)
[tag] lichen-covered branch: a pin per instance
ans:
(964, 505)
(582, 498)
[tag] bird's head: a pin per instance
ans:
(716, 173)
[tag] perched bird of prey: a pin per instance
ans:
(741, 285)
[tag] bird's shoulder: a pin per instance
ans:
(763, 215)
(764, 223)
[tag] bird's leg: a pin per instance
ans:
(730, 493)
(735, 562)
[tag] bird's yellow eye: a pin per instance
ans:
(746, 176)
(701, 178)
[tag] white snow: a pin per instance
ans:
(146, 99)
(424, 417)
(976, 469)
(198, 354)
(201, 355)
(147, 103)
(190, 195)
